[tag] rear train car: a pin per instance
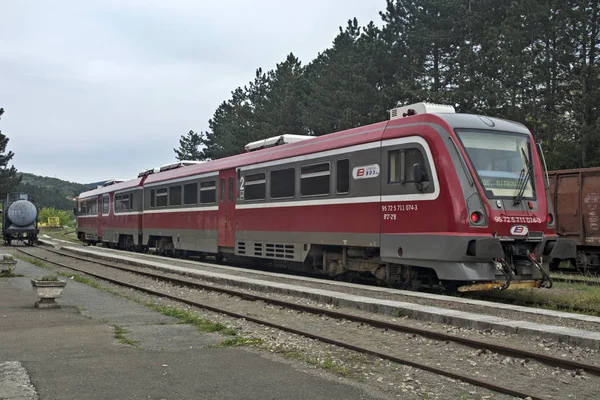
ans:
(429, 197)
(111, 214)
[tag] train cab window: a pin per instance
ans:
(152, 202)
(208, 192)
(343, 176)
(230, 189)
(412, 157)
(315, 179)
(222, 190)
(283, 183)
(175, 195)
(190, 193)
(255, 186)
(161, 197)
(400, 165)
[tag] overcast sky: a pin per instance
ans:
(101, 89)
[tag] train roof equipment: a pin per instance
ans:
(275, 141)
(167, 167)
(420, 108)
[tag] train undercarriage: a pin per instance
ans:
(517, 268)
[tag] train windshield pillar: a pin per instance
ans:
(502, 162)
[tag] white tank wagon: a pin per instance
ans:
(19, 219)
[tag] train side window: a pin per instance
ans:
(105, 204)
(222, 190)
(411, 157)
(283, 183)
(175, 195)
(161, 197)
(128, 202)
(118, 203)
(152, 198)
(208, 192)
(343, 176)
(255, 186)
(230, 189)
(315, 179)
(190, 193)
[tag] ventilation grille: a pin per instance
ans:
(241, 247)
(258, 249)
(280, 250)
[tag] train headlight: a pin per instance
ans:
(550, 219)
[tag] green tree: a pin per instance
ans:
(8, 176)
(189, 147)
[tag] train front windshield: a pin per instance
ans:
(502, 161)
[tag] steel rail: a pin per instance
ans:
(334, 314)
(441, 336)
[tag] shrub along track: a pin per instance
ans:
(474, 343)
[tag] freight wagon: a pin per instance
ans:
(576, 197)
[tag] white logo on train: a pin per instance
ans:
(366, 172)
(519, 230)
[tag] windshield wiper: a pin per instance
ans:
(523, 179)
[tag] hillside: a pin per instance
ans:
(52, 192)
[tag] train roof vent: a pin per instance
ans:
(420, 108)
(275, 141)
(179, 165)
(112, 182)
(149, 172)
(168, 167)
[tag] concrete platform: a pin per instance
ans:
(71, 353)
(575, 337)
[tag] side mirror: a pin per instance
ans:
(417, 173)
(75, 210)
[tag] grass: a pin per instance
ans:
(326, 363)
(10, 274)
(238, 342)
(120, 335)
(563, 296)
(187, 317)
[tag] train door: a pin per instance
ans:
(99, 215)
(227, 180)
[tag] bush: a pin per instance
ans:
(66, 217)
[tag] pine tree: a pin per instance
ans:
(188, 147)
(8, 176)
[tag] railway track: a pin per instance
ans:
(473, 343)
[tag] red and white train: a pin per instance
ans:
(428, 197)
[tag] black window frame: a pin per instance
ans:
(208, 187)
(249, 180)
(193, 190)
(173, 195)
(313, 175)
(337, 176)
(273, 181)
(162, 193)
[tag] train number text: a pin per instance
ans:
(399, 207)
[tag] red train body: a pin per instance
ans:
(429, 196)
